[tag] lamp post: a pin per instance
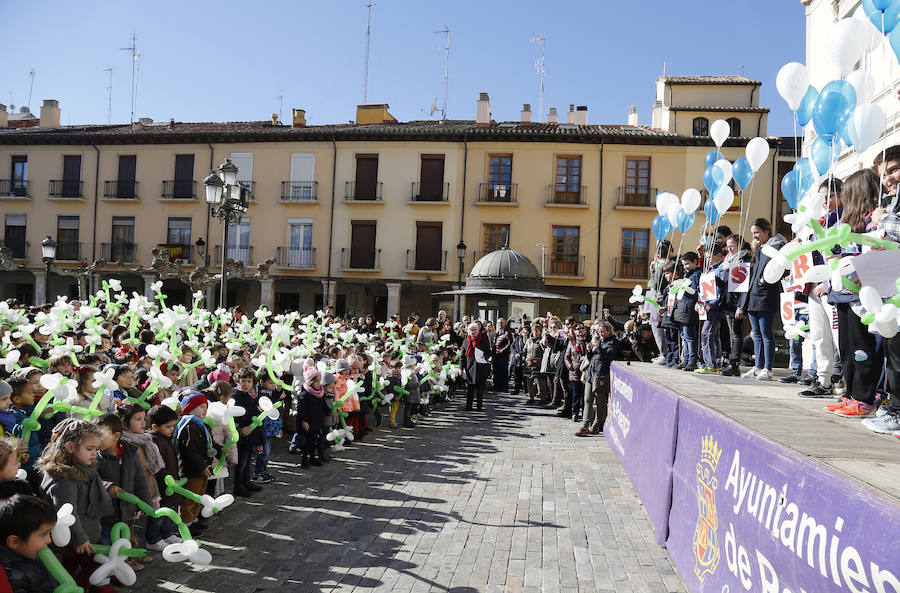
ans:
(201, 248)
(228, 201)
(461, 255)
(48, 253)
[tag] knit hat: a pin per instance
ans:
(341, 365)
(221, 373)
(310, 375)
(192, 401)
(327, 379)
(5, 388)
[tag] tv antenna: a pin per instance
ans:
(741, 66)
(539, 66)
(368, 41)
(108, 70)
(136, 58)
(31, 74)
(446, 51)
(280, 98)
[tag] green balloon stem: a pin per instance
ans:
(58, 572)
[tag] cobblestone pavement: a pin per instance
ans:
(505, 500)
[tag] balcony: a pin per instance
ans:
(430, 192)
(630, 196)
(120, 190)
(363, 191)
(69, 251)
(566, 194)
(299, 191)
(359, 260)
(296, 257)
(177, 189)
(19, 248)
(497, 193)
(179, 254)
(118, 252)
(630, 270)
(236, 254)
(66, 189)
(14, 188)
(426, 261)
(563, 264)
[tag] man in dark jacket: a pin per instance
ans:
(475, 354)
(685, 314)
(517, 359)
(502, 346)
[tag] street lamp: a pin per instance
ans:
(228, 201)
(461, 255)
(201, 247)
(48, 253)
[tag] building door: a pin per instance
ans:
(19, 176)
(362, 244)
(428, 245)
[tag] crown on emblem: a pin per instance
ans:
(710, 452)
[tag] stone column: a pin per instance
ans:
(393, 298)
(329, 288)
(267, 293)
(593, 304)
(40, 285)
(600, 295)
(149, 279)
(462, 306)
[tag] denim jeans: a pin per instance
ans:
(712, 345)
(689, 336)
(796, 346)
(262, 459)
(761, 324)
(577, 390)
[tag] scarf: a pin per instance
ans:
(470, 345)
(187, 420)
(316, 392)
(151, 451)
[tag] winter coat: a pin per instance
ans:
(575, 351)
(25, 575)
(248, 402)
(762, 296)
(603, 353)
(81, 486)
(684, 307)
(34, 443)
(193, 453)
(517, 352)
(477, 372)
(503, 342)
(534, 353)
(426, 336)
(312, 410)
(8, 421)
(170, 457)
(127, 473)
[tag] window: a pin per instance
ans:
(71, 182)
(366, 177)
(67, 245)
(244, 162)
(701, 126)
(179, 232)
(239, 242)
(637, 182)
(567, 189)
(362, 244)
(126, 186)
(19, 181)
(300, 244)
(122, 245)
(635, 253)
(303, 166)
(493, 237)
(564, 251)
(734, 125)
(183, 185)
(429, 240)
(14, 235)
(431, 179)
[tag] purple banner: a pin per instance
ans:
(640, 427)
(748, 514)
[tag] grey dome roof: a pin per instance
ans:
(505, 268)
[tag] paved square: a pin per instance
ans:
(508, 500)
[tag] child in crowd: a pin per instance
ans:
(10, 485)
(196, 452)
(62, 364)
(394, 381)
(7, 417)
(134, 422)
(251, 437)
(25, 526)
(124, 378)
(26, 390)
(271, 429)
(311, 412)
(685, 314)
(220, 391)
(162, 421)
(710, 340)
(412, 386)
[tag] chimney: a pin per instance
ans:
(4, 116)
(274, 119)
(299, 116)
(552, 118)
(570, 116)
(581, 115)
(526, 113)
(50, 113)
(374, 113)
(145, 121)
(483, 110)
(632, 116)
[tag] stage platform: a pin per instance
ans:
(751, 487)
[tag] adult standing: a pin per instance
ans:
(517, 359)
(502, 345)
(737, 252)
(659, 286)
(534, 353)
(477, 348)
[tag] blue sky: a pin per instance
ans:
(229, 60)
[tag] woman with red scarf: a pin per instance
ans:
(476, 372)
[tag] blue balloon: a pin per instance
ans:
(742, 172)
(805, 110)
(823, 154)
(833, 108)
(712, 179)
(790, 187)
(712, 156)
(807, 176)
(884, 14)
(845, 136)
(712, 214)
(661, 227)
(685, 220)
(894, 38)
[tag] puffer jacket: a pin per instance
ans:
(82, 487)
(762, 296)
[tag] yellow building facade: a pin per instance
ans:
(367, 217)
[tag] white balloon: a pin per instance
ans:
(724, 198)
(871, 34)
(870, 299)
(866, 126)
(792, 82)
(757, 153)
(725, 166)
(672, 213)
(719, 131)
(864, 85)
(690, 200)
(663, 201)
(849, 41)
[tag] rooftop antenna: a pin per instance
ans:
(280, 98)
(446, 51)
(368, 40)
(31, 74)
(135, 61)
(741, 66)
(108, 70)
(539, 66)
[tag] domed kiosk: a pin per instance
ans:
(503, 283)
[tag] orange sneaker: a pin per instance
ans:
(856, 409)
(840, 404)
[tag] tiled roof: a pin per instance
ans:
(710, 80)
(717, 108)
(265, 131)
